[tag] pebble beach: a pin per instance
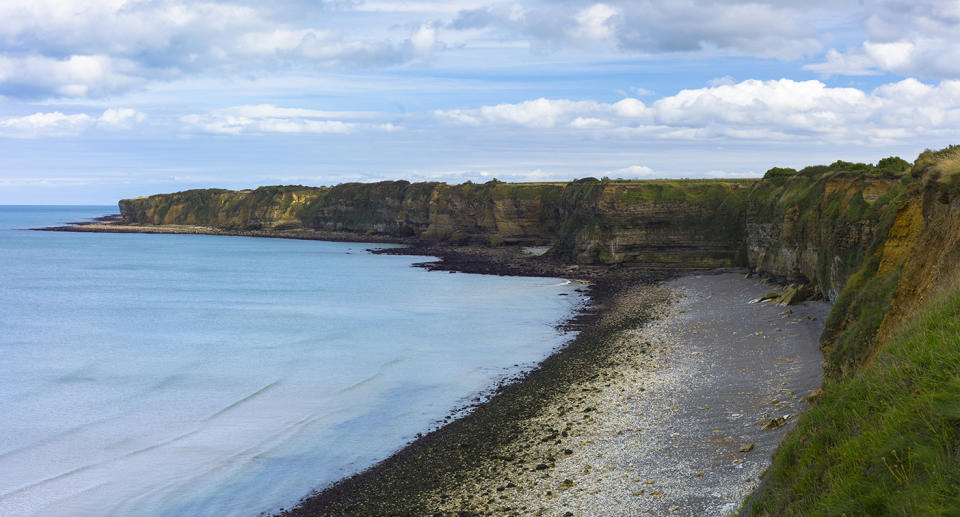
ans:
(676, 412)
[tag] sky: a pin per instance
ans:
(106, 99)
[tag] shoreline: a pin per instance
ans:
(395, 485)
(506, 260)
(636, 416)
(113, 224)
(523, 437)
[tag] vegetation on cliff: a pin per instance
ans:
(819, 224)
(884, 442)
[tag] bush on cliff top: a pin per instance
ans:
(890, 166)
(886, 442)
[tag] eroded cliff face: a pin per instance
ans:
(678, 222)
(817, 228)
(812, 227)
(923, 248)
(697, 223)
(265, 207)
(913, 258)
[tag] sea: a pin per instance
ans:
(193, 375)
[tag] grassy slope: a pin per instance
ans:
(885, 442)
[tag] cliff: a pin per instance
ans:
(590, 221)
(884, 435)
(816, 226)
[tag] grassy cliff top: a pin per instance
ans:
(279, 189)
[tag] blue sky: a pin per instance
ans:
(104, 99)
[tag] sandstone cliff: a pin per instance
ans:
(882, 437)
(817, 226)
(590, 221)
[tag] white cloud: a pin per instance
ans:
(806, 105)
(46, 124)
(58, 124)
(589, 123)
(595, 23)
(124, 118)
(721, 81)
(634, 171)
(330, 48)
(268, 118)
(424, 40)
(750, 110)
(897, 55)
(907, 37)
(76, 76)
(838, 63)
(757, 28)
(548, 113)
(641, 92)
(96, 48)
(631, 108)
(448, 6)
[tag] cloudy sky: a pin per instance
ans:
(103, 99)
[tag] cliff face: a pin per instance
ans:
(679, 222)
(591, 221)
(813, 227)
(883, 438)
(270, 207)
(817, 227)
(924, 249)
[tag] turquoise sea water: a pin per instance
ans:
(205, 375)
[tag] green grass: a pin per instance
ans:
(851, 329)
(885, 442)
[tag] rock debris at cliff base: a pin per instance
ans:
(670, 425)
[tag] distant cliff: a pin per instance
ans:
(589, 221)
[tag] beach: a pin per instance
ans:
(671, 401)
